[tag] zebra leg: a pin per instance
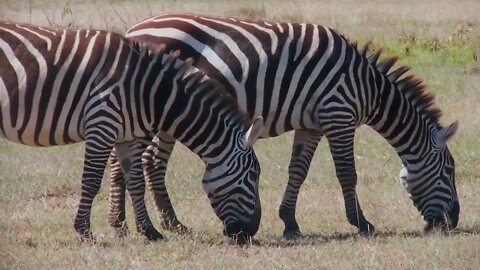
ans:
(116, 210)
(341, 146)
(155, 160)
(129, 155)
(304, 145)
(96, 157)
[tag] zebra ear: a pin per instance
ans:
(254, 131)
(445, 134)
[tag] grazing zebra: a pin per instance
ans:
(65, 86)
(310, 79)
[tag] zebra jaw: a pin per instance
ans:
(448, 221)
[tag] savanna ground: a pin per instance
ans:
(39, 188)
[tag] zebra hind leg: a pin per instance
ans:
(304, 146)
(129, 155)
(116, 210)
(155, 160)
(341, 147)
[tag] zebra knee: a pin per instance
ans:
(297, 150)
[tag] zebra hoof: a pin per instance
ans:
(86, 235)
(120, 232)
(177, 228)
(367, 230)
(292, 234)
(87, 238)
(152, 234)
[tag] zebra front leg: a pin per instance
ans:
(341, 147)
(155, 160)
(96, 157)
(116, 210)
(304, 145)
(130, 158)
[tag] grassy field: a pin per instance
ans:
(39, 188)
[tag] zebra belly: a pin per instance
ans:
(30, 135)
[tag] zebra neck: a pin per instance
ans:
(204, 120)
(401, 124)
(211, 137)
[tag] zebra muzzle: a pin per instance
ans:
(453, 215)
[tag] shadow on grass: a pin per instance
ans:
(315, 239)
(268, 241)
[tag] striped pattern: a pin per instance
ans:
(65, 86)
(310, 79)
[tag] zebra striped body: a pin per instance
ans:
(310, 79)
(65, 86)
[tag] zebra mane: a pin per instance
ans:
(194, 78)
(412, 87)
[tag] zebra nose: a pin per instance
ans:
(242, 231)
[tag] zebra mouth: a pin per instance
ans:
(237, 233)
(436, 224)
(448, 221)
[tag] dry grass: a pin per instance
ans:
(39, 188)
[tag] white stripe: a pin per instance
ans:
(186, 110)
(5, 109)
(280, 28)
(44, 38)
(55, 91)
(226, 39)
(330, 75)
(100, 92)
(282, 66)
(171, 96)
(68, 105)
(42, 72)
(263, 64)
(199, 47)
(318, 68)
(22, 88)
(60, 47)
(143, 102)
(112, 69)
(133, 102)
(153, 92)
(270, 32)
(48, 31)
(205, 123)
(77, 113)
(300, 41)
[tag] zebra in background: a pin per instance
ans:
(310, 79)
(65, 86)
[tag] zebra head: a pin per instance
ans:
(232, 186)
(431, 182)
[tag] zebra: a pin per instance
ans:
(60, 86)
(311, 79)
